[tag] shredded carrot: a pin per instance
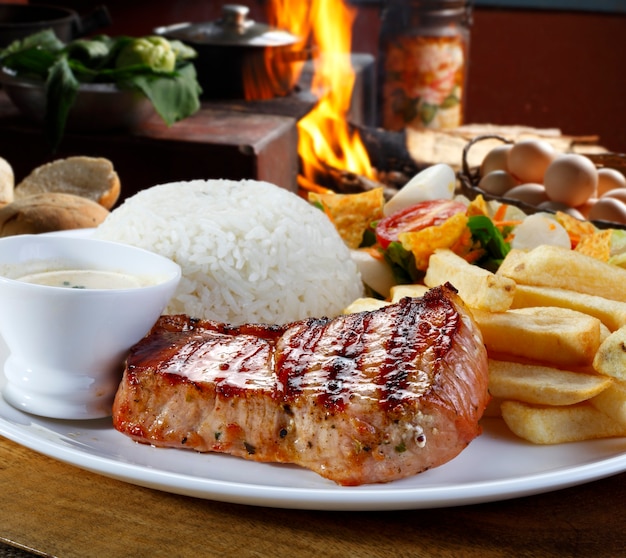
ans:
(509, 238)
(574, 238)
(474, 255)
(500, 212)
(509, 223)
(374, 252)
(464, 244)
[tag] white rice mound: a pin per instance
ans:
(250, 252)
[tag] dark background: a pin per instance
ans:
(551, 68)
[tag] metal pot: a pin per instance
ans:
(239, 58)
(21, 20)
(98, 106)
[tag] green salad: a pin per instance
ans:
(161, 69)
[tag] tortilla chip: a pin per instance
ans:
(424, 242)
(597, 245)
(575, 227)
(351, 214)
(478, 206)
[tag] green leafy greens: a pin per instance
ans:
(490, 238)
(161, 69)
(402, 264)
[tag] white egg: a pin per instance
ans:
(375, 272)
(538, 229)
(437, 182)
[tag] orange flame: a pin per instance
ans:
(273, 72)
(325, 138)
(292, 16)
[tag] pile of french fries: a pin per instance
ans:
(553, 322)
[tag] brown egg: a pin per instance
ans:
(532, 194)
(571, 179)
(497, 182)
(585, 208)
(558, 206)
(610, 179)
(608, 209)
(617, 193)
(495, 159)
(528, 160)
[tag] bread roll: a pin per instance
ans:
(90, 177)
(48, 212)
(7, 182)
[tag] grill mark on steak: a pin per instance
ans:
(409, 342)
(368, 397)
(293, 365)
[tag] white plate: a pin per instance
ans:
(496, 466)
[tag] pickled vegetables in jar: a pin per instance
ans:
(424, 47)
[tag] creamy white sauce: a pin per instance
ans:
(86, 279)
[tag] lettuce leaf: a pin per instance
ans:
(173, 99)
(61, 91)
(62, 68)
(491, 240)
(402, 263)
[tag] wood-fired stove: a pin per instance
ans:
(231, 139)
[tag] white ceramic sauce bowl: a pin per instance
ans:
(67, 345)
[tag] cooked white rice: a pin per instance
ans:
(250, 252)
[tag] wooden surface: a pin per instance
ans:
(213, 143)
(59, 510)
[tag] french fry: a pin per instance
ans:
(514, 258)
(553, 266)
(611, 313)
(398, 292)
(612, 401)
(610, 359)
(555, 336)
(542, 385)
(363, 304)
(477, 287)
(557, 425)
(604, 333)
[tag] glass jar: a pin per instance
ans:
(423, 57)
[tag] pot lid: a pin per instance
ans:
(234, 28)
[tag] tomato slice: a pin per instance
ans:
(415, 218)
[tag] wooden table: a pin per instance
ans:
(59, 510)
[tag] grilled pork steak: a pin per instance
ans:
(362, 398)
